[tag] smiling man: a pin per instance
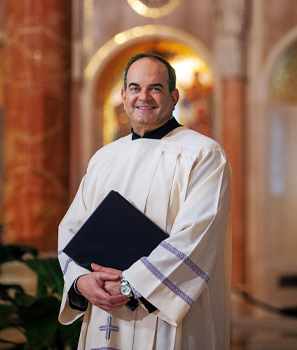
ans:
(177, 298)
(146, 95)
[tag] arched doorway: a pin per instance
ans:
(273, 239)
(104, 119)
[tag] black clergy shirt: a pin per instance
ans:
(158, 133)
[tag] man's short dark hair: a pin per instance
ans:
(170, 69)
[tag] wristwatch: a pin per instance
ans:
(125, 288)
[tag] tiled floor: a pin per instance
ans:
(265, 333)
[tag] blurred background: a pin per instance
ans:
(61, 67)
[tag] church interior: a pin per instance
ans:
(61, 66)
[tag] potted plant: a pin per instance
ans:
(36, 317)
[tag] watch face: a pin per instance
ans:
(126, 290)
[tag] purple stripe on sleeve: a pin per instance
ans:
(66, 266)
(106, 348)
(167, 283)
(137, 295)
(186, 260)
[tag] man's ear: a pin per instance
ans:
(123, 94)
(175, 96)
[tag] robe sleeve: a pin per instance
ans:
(177, 272)
(75, 217)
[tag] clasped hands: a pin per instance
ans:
(101, 288)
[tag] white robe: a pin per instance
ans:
(183, 183)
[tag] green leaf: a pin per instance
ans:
(7, 310)
(54, 275)
(24, 300)
(13, 252)
(49, 276)
(69, 335)
(12, 288)
(38, 306)
(40, 321)
(41, 331)
(16, 346)
(9, 316)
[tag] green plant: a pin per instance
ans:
(36, 317)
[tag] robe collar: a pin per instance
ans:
(158, 133)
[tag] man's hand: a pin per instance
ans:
(111, 286)
(91, 286)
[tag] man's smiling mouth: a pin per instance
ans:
(145, 107)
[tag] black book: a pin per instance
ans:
(115, 235)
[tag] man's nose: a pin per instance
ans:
(144, 95)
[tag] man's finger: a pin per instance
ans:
(107, 276)
(111, 299)
(100, 268)
(111, 302)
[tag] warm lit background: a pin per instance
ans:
(61, 67)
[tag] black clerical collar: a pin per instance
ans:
(158, 133)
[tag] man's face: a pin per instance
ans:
(147, 100)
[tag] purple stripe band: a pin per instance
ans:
(105, 348)
(186, 260)
(66, 266)
(167, 283)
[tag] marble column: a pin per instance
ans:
(233, 141)
(229, 48)
(36, 120)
